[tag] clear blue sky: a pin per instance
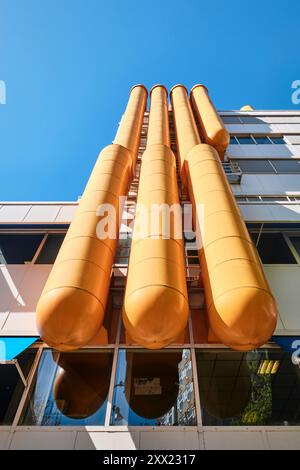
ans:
(68, 66)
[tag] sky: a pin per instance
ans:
(68, 66)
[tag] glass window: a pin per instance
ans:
(253, 199)
(273, 249)
(255, 166)
(262, 140)
(278, 140)
(245, 139)
(233, 140)
(50, 249)
(18, 248)
(12, 386)
(286, 166)
(296, 243)
(259, 387)
(150, 387)
(69, 389)
(275, 199)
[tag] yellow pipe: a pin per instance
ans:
(247, 107)
(213, 130)
(241, 309)
(186, 133)
(71, 307)
(155, 308)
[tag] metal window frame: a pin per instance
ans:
(191, 346)
(31, 231)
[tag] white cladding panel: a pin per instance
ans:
(284, 281)
(158, 439)
(268, 184)
(20, 287)
(263, 151)
(264, 128)
(262, 212)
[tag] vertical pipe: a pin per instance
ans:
(212, 128)
(71, 307)
(187, 133)
(241, 309)
(155, 308)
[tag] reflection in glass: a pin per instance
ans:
(154, 388)
(259, 387)
(12, 386)
(69, 389)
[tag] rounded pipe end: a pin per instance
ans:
(158, 86)
(139, 85)
(155, 316)
(244, 319)
(178, 86)
(247, 107)
(68, 318)
(199, 85)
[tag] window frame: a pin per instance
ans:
(45, 234)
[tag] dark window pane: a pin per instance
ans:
(259, 388)
(255, 166)
(50, 249)
(296, 242)
(253, 199)
(12, 387)
(154, 388)
(278, 140)
(254, 237)
(273, 249)
(262, 140)
(286, 166)
(69, 389)
(18, 248)
(245, 139)
(273, 200)
(233, 140)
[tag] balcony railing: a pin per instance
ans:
(233, 172)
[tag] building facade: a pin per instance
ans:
(204, 386)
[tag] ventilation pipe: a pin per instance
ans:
(71, 308)
(241, 309)
(247, 107)
(155, 308)
(211, 126)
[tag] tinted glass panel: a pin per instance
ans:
(255, 166)
(50, 249)
(286, 166)
(245, 140)
(260, 387)
(12, 387)
(18, 248)
(278, 140)
(69, 389)
(272, 200)
(233, 140)
(262, 140)
(273, 249)
(154, 388)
